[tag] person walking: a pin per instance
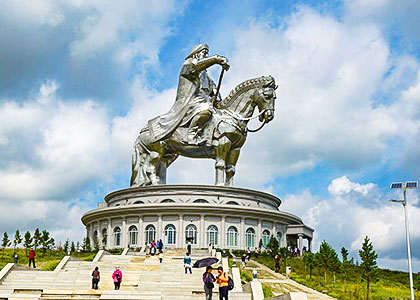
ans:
(277, 258)
(32, 257)
(222, 280)
(160, 246)
(243, 259)
(208, 279)
(248, 252)
(95, 278)
(187, 262)
(117, 276)
(160, 257)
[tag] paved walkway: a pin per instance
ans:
(280, 285)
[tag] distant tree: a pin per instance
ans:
(272, 246)
(72, 248)
(45, 237)
(284, 255)
(37, 238)
(50, 244)
(309, 261)
(345, 266)
(325, 252)
(369, 268)
(334, 264)
(318, 264)
(260, 244)
(16, 241)
(66, 246)
(78, 246)
(96, 246)
(5, 242)
(27, 241)
(417, 284)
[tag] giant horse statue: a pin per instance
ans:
(224, 135)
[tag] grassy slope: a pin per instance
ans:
(391, 284)
(46, 261)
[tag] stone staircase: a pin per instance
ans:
(144, 278)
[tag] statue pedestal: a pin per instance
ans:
(226, 217)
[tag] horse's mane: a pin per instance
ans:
(246, 86)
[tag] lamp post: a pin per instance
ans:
(404, 187)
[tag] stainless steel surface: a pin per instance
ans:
(195, 128)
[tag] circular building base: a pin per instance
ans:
(226, 217)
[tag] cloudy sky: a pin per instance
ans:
(80, 78)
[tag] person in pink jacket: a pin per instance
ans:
(117, 276)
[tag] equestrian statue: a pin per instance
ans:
(200, 124)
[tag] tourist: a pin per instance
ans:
(117, 276)
(160, 257)
(32, 257)
(222, 281)
(95, 278)
(256, 252)
(243, 258)
(208, 279)
(187, 262)
(277, 258)
(160, 246)
(248, 252)
(153, 248)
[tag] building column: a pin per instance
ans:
(124, 233)
(202, 233)
(222, 243)
(259, 233)
(159, 231)
(310, 244)
(300, 244)
(109, 234)
(242, 244)
(141, 233)
(180, 239)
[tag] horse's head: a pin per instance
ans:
(264, 98)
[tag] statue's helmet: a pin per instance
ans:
(196, 49)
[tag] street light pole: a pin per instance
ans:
(407, 237)
(404, 187)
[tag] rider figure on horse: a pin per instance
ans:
(193, 105)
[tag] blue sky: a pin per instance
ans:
(79, 79)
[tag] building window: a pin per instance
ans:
(138, 202)
(232, 237)
(265, 238)
(104, 236)
(133, 234)
(170, 234)
(232, 203)
(167, 201)
(150, 233)
(117, 236)
(95, 238)
(191, 234)
(212, 235)
(279, 237)
(200, 201)
(250, 238)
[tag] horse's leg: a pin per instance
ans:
(221, 150)
(231, 161)
(151, 167)
(135, 166)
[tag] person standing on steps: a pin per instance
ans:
(208, 279)
(277, 258)
(160, 255)
(187, 262)
(117, 276)
(32, 257)
(95, 278)
(222, 280)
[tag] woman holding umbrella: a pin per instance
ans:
(208, 280)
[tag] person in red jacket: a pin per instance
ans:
(32, 257)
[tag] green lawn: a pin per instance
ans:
(46, 261)
(391, 284)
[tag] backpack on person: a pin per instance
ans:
(118, 277)
(231, 285)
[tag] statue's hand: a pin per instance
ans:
(224, 62)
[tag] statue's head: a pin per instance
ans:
(198, 49)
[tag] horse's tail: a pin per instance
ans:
(135, 166)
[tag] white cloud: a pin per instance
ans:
(342, 185)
